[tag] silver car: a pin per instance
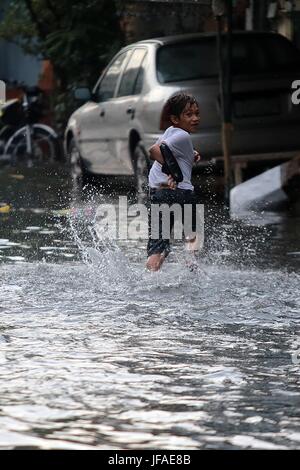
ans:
(121, 118)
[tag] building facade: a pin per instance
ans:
(142, 19)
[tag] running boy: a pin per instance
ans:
(183, 113)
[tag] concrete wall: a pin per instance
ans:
(145, 19)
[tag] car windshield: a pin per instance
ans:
(252, 54)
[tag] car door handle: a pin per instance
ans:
(131, 111)
(102, 113)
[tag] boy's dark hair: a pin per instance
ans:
(174, 107)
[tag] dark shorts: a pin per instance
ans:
(158, 244)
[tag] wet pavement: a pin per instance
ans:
(95, 352)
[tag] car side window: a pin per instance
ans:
(109, 82)
(132, 79)
(139, 80)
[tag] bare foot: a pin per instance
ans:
(192, 244)
(154, 262)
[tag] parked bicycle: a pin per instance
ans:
(25, 140)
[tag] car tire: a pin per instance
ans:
(141, 171)
(80, 178)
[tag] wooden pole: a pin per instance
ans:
(227, 128)
(225, 79)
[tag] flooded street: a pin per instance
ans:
(95, 352)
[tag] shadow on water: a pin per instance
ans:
(96, 352)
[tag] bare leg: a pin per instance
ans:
(155, 262)
(193, 244)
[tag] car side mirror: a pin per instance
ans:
(82, 94)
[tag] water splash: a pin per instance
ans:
(100, 253)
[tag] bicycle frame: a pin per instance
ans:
(28, 140)
(28, 130)
(26, 135)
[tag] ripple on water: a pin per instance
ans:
(94, 345)
(99, 353)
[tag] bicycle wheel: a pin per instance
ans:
(45, 148)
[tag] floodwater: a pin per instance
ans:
(95, 352)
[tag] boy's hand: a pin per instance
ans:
(171, 182)
(197, 156)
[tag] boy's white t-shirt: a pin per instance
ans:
(180, 143)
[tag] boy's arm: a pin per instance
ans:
(155, 154)
(197, 156)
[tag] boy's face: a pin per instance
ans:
(189, 118)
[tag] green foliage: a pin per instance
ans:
(79, 37)
(63, 104)
(16, 26)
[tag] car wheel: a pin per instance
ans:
(80, 178)
(141, 171)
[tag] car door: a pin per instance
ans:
(95, 123)
(122, 109)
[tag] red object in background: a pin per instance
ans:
(13, 92)
(47, 80)
(47, 84)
